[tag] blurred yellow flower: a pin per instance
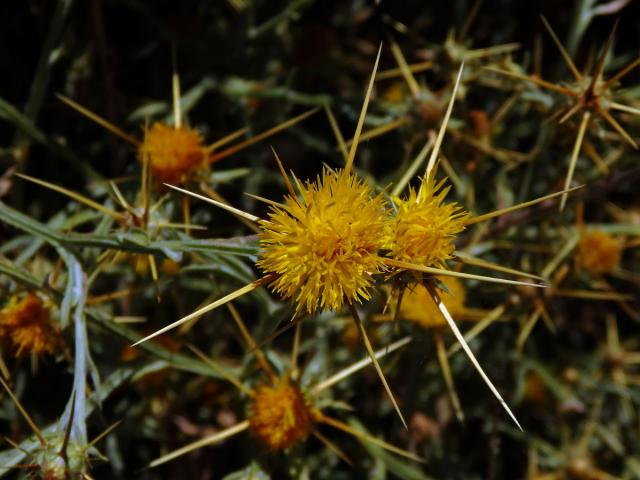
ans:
(25, 325)
(173, 152)
(417, 305)
(280, 415)
(599, 252)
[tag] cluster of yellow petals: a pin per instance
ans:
(417, 305)
(599, 252)
(424, 227)
(26, 327)
(280, 415)
(324, 247)
(173, 153)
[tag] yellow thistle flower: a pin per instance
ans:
(25, 324)
(173, 152)
(599, 252)
(280, 415)
(324, 247)
(424, 227)
(417, 305)
(281, 412)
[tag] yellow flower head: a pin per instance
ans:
(424, 227)
(173, 152)
(395, 93)
(599, 252)
(324, 247)
(280, 415)
(417, 305)
(25, 324)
